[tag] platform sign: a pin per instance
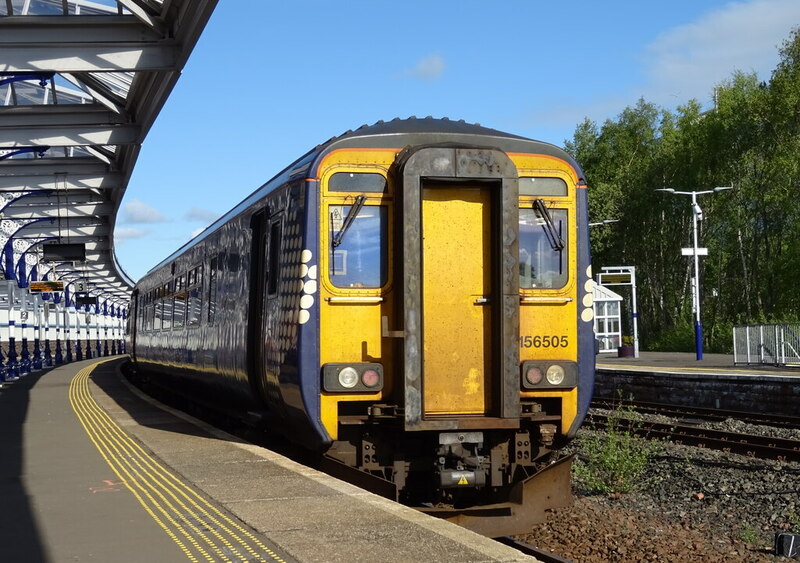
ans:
(82, 299)
(616, 278)
(64, 252)
(690, 252)
(46, 286)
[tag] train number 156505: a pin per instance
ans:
(554, 341)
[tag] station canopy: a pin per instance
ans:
(81, 83)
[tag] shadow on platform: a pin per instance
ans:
(109, 378)
(20, 537)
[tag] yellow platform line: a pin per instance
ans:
(186, 491)
(138, 468)
(127, 464)
(144, 466)
(184, 512)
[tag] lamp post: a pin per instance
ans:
(697, 215)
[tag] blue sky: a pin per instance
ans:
(269, 80)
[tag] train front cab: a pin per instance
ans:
(440, 324)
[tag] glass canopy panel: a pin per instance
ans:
(30, 93)
(45, 8)
(117, 82)
(56, 7)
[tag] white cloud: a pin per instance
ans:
(196, 232)
(136, 211)
(428, 68)
(123, 234)
(199, 214)
(688, 61)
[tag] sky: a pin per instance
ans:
(269, 80)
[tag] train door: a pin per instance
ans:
(255, 313)
(134, 319)
(456, 299)
(460, 296)
(263, 303)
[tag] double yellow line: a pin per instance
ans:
(199, 529)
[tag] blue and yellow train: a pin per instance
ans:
(414, 298)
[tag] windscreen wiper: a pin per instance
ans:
(553, 236)
(351, 215)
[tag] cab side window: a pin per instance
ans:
(359, 260)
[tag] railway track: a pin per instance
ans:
(528, 549)
(688, 413)
(764, 447)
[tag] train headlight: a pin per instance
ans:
(348, 378)
(533, 375)
(352, 378)
(555, 375)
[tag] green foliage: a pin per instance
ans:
(794, 521)
(677, 338)
(748, 534)
(750, 139)
(615, 459)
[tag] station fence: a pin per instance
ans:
(773, 344)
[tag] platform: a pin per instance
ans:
(681, 362)
(92, 470)
(713, 382)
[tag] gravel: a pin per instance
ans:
(691, 504)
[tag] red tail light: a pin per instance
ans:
(533, 375)
(370, 378)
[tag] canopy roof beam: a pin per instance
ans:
(50, 166)
(62, 182)
(84, 44)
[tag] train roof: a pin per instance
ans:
(427, 125)
(412, 131)
(396, 133)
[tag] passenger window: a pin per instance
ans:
(212, 289)
(542, 186)
(157, 315)
(194, 303)
(360, 259)
(357, 182)
(179, 304)
(540, 264)
(166, 313)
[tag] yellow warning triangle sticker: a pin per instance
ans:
(463, 481)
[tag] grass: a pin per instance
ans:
(614, 460)
(794, 522)
(749, 535)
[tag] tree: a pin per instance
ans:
(751, 139)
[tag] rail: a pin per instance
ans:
(762, 447)
(772, 344)
(694, 413)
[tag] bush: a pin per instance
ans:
(613, 460)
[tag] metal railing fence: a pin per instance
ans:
(773, 344)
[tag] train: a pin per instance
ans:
(413, 299)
